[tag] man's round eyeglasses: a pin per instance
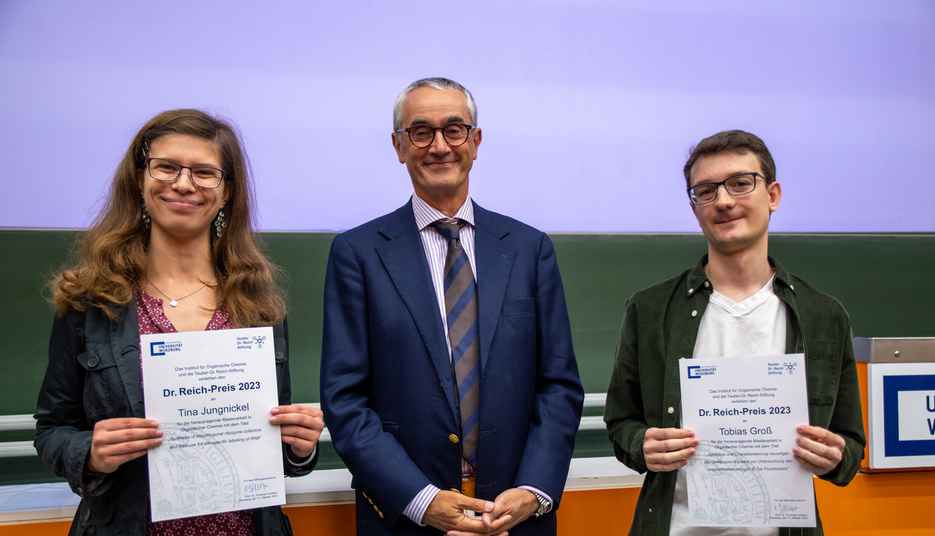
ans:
(455, 134)
(741, 184)
(163, 169)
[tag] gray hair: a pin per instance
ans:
(442, 84)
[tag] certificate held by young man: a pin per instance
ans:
(744, 412)
(211, 392)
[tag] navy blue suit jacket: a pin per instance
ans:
(386, 382)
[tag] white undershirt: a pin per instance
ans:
(753, 327)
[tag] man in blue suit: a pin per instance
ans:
(448, 379)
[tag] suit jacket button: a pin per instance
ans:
(94, 361)
(87, 514)
(453, 438)
(671, 410)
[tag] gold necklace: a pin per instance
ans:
(175, 303)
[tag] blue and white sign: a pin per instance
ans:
(902, 415)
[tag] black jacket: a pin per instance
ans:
(93, 375)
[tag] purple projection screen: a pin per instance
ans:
(588, 108)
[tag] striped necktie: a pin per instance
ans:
(461, 312)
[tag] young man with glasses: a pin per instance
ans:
(737, 301)
(448, 378)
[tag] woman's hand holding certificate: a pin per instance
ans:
(117, 441)
(300, 427)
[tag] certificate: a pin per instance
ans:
(211, 392)
(744, 412)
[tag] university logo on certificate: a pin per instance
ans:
(211, 392)
(744, 412)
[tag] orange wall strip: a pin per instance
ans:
(882, 504)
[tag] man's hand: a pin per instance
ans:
(446, 513)
(667, 449)
(300, 427)
(515, 505)
(818, 449)
(117, 441)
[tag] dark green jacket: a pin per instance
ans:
(660, 326)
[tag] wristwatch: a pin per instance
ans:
(543, 504)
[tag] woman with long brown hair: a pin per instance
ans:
(173, 250)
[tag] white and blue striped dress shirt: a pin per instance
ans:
(436, 246)
(436, 251)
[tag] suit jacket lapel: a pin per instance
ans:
(494, 259)
(404, 259)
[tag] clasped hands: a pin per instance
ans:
(117, 441)
(446, 512)
(667, 449)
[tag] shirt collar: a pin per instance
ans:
(427, 214)
(783, 278)
(698, 279)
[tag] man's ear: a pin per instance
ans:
(774, 191)
(398, 146)
(477, 138)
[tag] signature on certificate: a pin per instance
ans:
(782, 508)
(253, 487)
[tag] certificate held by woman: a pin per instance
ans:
(211, 392)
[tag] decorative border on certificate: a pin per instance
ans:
(194, 476)
(734, 492)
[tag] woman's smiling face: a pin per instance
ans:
(181, 209)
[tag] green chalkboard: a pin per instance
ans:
(884, 281)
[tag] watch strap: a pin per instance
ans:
(543, 504)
